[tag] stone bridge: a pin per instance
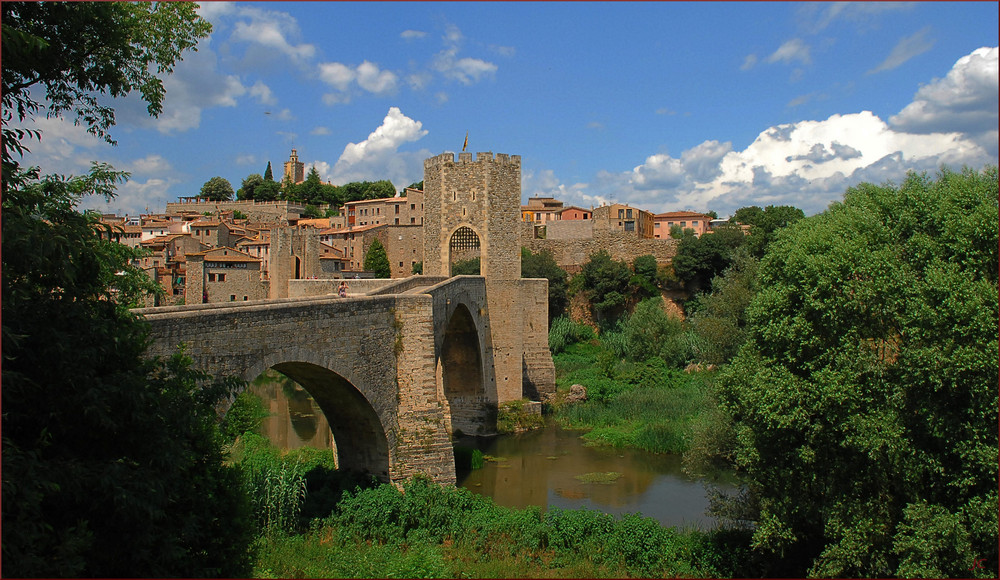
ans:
(396, 371)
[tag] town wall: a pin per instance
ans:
(256, 211)
(571, 253)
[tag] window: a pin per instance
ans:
(211, 277)
(621, 214)
(414, 206)
(232, 298)
(245, 298)
(413, 220)
(629, 226)
(397, 211)
(684, 224)
(397, 220)
(656, 225)
(628, 213)
(400, 264)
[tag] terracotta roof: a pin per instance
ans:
(225, 254)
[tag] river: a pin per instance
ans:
(549, 467)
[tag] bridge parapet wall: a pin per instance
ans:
(382, 346)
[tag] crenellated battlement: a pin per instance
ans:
(466, 157)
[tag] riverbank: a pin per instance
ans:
(429, 531)
(640, 405)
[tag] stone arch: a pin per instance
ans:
(361, 435)
(461, 368)
(464, 243)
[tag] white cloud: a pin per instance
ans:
(659, 171)
(749, 62)
(246, 159)
(373, 80)
(367, 76)
(378, 156)
(151, 164)
(262, 93)
(412, 34)
(965, 101)
(794, 50)
(906, 49)
(196, 84)
(285, 115)
(465, 70)
(320, 131)
(701, 163)
(817, 16)
(276, 31)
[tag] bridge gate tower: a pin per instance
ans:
(472, 205)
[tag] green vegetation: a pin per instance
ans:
(429, 531)
(543, 265)
(468, 267)
(377, 261)
(217, 189)
(112, 463)
(513, 417)
(872, 344)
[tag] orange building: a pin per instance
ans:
(698, 222)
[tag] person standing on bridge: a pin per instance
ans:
(342, 290)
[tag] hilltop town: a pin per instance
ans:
(201, 250)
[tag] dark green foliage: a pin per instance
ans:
(607, 281)
(112, 463)
(650, 332)
(765, 224)
(311, 212)
(268, 174)
(217, 189)
(245, 415)
(417, 268)
(377, 261)
(468, 267)
(248, 186)
(699, 259)
(644, 280)
(267, 191)
(543, 265)
(719, 321)
(873, 344)
(360, 190)
(433, 531)
(415, 185)
(311, 190)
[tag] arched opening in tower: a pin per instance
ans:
(461, 365)
(464, 252)
(311, 406)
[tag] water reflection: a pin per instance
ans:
(296, 420)
(549, 468)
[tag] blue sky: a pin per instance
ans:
(666, 106)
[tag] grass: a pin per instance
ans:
(641, 405)
(430, 531)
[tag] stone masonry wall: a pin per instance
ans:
(381, 346)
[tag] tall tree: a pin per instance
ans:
(217, 189)
(377, 261)
(607, 281)
(699, 259)
(311, 190)
(111, 462)
(248, 186)
(543, 265)
(864, 403)
(268, 175)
